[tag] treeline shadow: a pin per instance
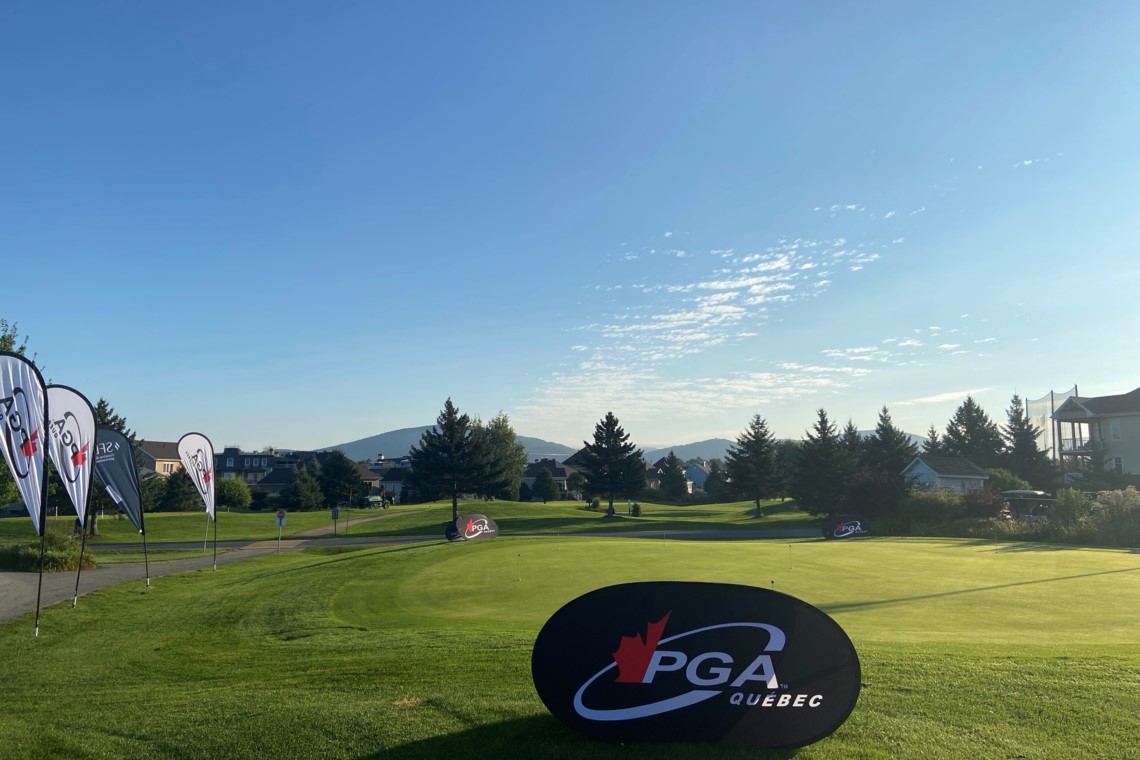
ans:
(544, 738)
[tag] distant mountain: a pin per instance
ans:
(396, 443)
(713, 448)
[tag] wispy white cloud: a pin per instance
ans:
(941, 398)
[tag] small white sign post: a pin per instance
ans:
(280, 525)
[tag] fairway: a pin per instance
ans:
(969, 649)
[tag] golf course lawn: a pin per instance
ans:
(429, 520)
(969, 649)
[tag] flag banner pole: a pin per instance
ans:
(40, 585)
(146, 562)
(24, 427)
(82, 548)
(206, 535)
(215, 543)
(71, 442)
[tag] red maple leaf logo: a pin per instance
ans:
(79, 457)
(209, 474)
(633, 654)
(470, 526)
(28, 447)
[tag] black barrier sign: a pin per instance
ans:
(696, 662)
(845, 526)
(472, 528)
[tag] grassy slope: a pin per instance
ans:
(969, 649)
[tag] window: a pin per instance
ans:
(1116, 464)
(1114, 429)
(246, 462)
(229, 461)
(264, 462)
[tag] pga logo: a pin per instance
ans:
(472, 527)
(723, 663)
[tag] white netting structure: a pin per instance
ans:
(1040, 413)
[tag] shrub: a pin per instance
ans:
(1070, 507)
(635, 509)
(985, 502)
(61, 552)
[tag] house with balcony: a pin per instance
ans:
(1104, 429)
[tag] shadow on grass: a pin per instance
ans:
(543, 737)
(848, 606)
(341, 557)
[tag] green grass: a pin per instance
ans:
(107, 557)
(430, 519)
(190, 526)
(969, 650)
(517, 518)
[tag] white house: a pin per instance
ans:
(945, 474)
(1102, 426)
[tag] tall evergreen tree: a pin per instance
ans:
(716, 487)
(889, 449)
(339, 480)
(822, 468)
(545, 486)
(612, 465)
(1022, 455)
(181, 495)
(972, 435)
(449, 458)
(750, 463)
(852, 442)
(933, 446)
(304, 492)
(674, 485)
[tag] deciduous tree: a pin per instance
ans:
(505, 458)
(545, 486)
(233, 493)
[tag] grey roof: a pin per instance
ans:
(160, 449)
(950, 467)
(1099, 406)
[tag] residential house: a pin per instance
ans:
(697, 474)
(159, 457)
(945, 474)
(1104, 427)
(242, 465)
(561, 473)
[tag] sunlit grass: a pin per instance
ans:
(969, 649)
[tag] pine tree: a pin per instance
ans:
(304, 492)
(715, 485)
(674, 485)
(1022, 455)
(822, 469)
(339, 480)
(750, 464)
(545, 486)
(889, 449)
(853, 442)
(449, 458)
(971, 434)
(612, 465)
(933, 445)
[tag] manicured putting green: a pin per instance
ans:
(969, 649)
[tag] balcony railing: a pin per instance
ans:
(1079, 445)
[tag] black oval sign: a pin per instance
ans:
(846, 526)
(472, 528)
(677, 661)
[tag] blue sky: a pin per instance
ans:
(300, 224)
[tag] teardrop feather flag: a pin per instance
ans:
(197, 455)
(23, 423)
(71, 442)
